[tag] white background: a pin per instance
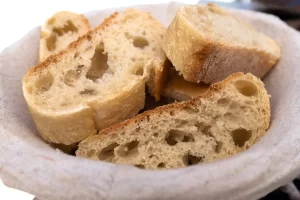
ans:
(17, 17)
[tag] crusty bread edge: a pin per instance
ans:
(198, 65)
(143, 116)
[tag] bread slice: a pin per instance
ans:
(59, 31)
(230, 117)
(179, 89)
(206, 43)
(98, 80)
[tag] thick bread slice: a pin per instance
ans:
(138, 42)
(179, 89)
(97, 81)
(59, 31)
(230, 117)
(206, 43)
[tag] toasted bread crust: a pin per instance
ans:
(222, 122)
(169, 107)
(201, 57)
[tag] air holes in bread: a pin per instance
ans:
(90, 153)
(223, 101)
(69, 27)
(139, 71)
(241, 136)
(161, 165)
(128, 149)
(140, 42)
(203, 128)
(246, 88)
(172, 112)
(189, 160)
(219, 146)
(188, 138)
(180, 122)
(234, 107)
(59, 31)
(190, 110)
(127, 35)
(63, 104)
(175, 136)
(76, 55)
(155, 134)
(151, 156)
(107, 153)
(140, 166)
(72, 76)
(99, 64)
(44, 83)
(51, 42)
(88, 92)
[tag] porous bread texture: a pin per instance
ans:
(207, 43)
(97, 81)
(59, 31)
(136, 41)
(229, 118)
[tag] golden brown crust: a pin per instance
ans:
(201, 57)
(266, 61)
(174, 106)
(197, 67)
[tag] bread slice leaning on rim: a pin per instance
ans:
(229, 118)
(97, 80)
(207, 43)
(59, 31)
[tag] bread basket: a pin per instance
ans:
(29, 164)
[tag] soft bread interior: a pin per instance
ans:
(229, 118)
(98, 80)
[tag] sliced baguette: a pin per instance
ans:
(179, 89)
(98, 80)
(230, 117)
(59, 31)
(206, 43)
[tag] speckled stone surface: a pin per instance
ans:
(27, 163)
